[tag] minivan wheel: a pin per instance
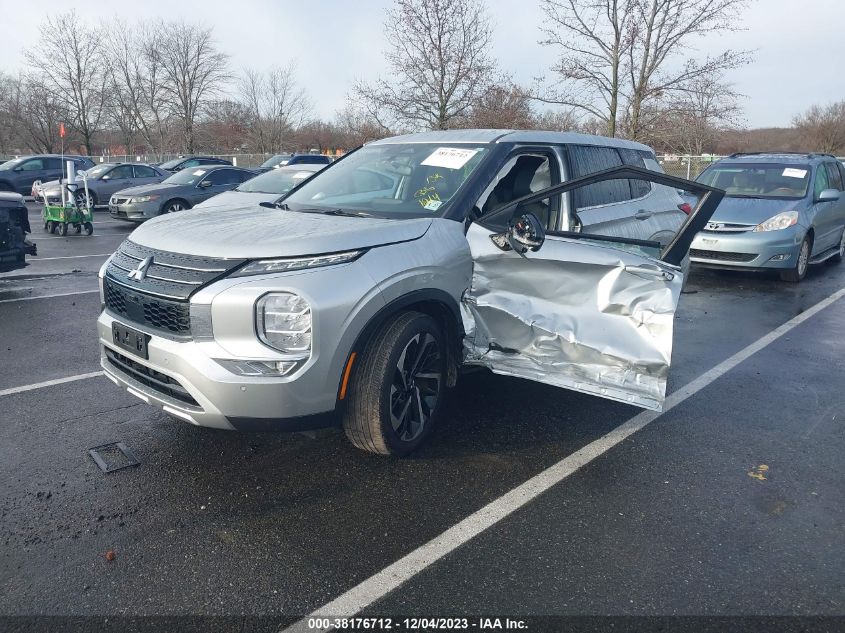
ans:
(397, 388)
(799, 271)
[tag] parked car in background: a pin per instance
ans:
(309, 159)
(104, 180)
(357, 300)
(782, 211)
(14, 226)
(266, 187)
(19, 174)
(176, 193)
(279, 160)
(183, 162)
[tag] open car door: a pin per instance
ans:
(591, 313)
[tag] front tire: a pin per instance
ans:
(173, 206)
(81, 200)
(61, 228)
(397, 388)
(802, 263)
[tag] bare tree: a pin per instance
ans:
(619, 57)
(33, 112)
(69, 59)
(439, 66)
(594, 37)
(193, 71)
(822, 128)
(504, 106)
(356, 128)
(276, 105)
(693, 120)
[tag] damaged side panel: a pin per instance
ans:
(578, 315)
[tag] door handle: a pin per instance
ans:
(650, 272)
(642, 214)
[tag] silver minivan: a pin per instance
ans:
(358, 297)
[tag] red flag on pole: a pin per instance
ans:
(62, 130)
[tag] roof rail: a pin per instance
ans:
(807, 154)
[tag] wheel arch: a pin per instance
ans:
(436, 303)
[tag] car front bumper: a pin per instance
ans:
(747, 250)
(134, 212)
(184, 376)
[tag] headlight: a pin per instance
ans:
(283, 322)
(780, 221)
(264, 266)
(141, 199)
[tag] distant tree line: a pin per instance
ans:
(624, 68)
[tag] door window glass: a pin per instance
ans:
(521, 176)
(56, 163)
(224, 177)
(585, 160)
(822, 181)
(120, 172)
(33, 165)
(833, 176)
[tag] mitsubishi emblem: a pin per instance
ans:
(140, 271)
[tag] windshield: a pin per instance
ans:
(189, 176)
(393, 181)
(11, 164)
(279, 159)
(276, 181)
(756, 180)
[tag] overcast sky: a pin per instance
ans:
(798, 44)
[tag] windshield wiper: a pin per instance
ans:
(340, 212)
(274, 205)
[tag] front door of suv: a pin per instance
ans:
(588, 312)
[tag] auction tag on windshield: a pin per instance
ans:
(449, 157)
(433, 205)
(794, 173)
(199, 172)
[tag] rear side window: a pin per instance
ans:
(834, 176)
(585, 160)
(142, 171)
(56, 163)
(636, 158)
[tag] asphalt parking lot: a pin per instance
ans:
(730, 503)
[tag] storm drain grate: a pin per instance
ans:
(114, 456)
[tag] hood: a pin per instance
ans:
(752, 210)
(255, 232)
(238, 199)
(142, 190)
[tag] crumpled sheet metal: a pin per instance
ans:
(586, 324)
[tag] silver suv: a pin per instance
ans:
(357, 298)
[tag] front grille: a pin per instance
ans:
(119, 200)
(172, 317)
(723, 256)
(155, 380)
(169, 275)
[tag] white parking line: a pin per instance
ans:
(390, 578)
(49, 383)
(58, 294)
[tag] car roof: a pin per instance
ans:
(65, 156)
(511, 136)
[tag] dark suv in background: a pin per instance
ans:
(184, 162)
(18, 174)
